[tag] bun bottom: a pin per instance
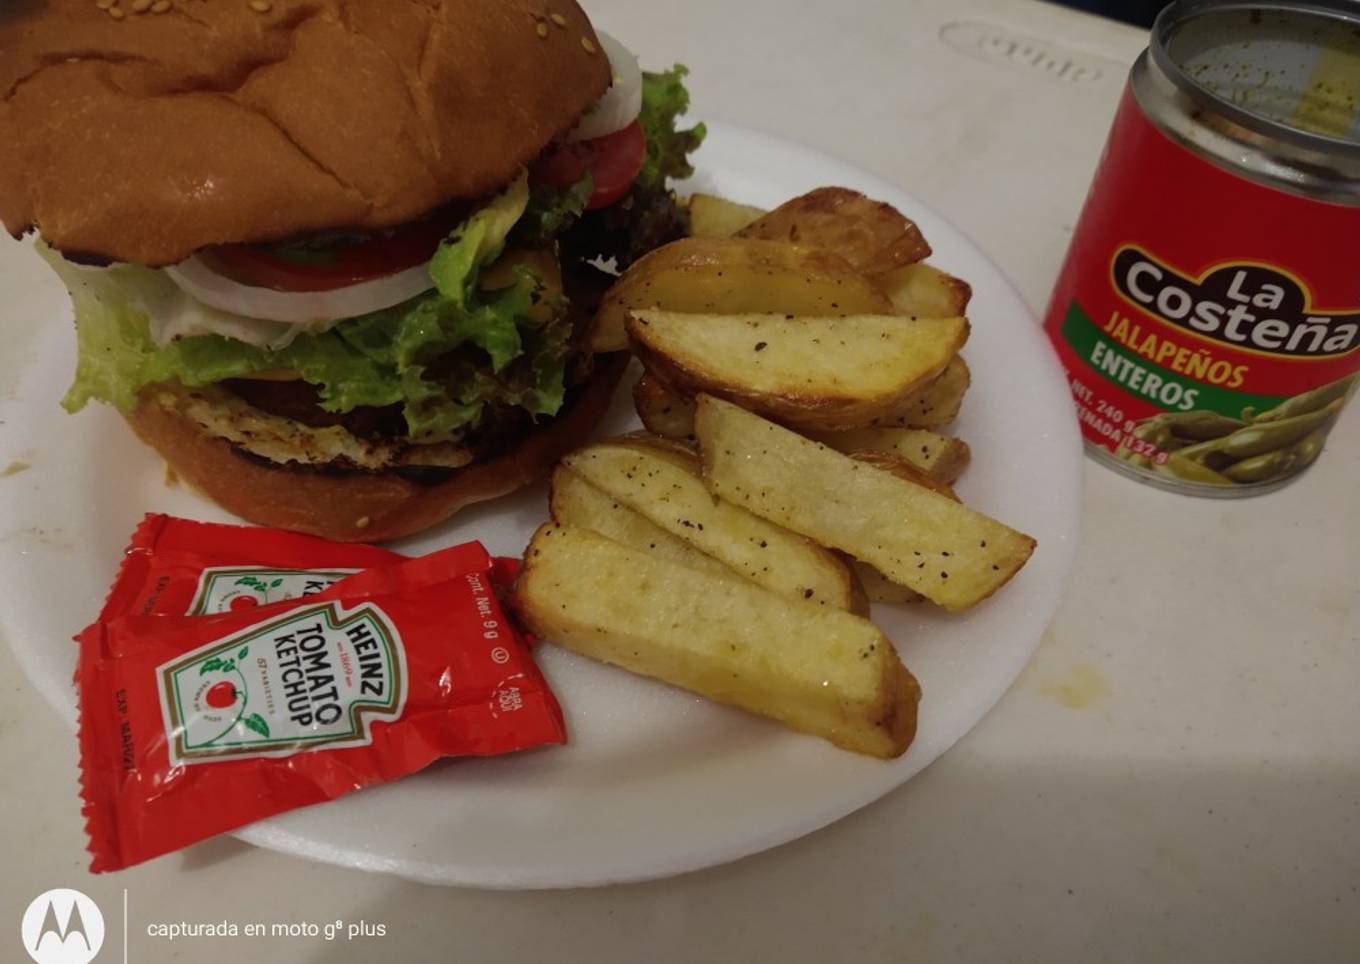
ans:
(365, 506)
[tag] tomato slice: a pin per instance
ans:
(613, 162)
(324, 267)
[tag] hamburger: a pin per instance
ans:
(336, 261)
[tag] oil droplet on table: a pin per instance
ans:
(1080, 688)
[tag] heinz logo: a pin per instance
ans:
(1239, 304)
(62, 926)
(314, 676)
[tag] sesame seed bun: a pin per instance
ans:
(146, 136)
(363, 506)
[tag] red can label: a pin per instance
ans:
(1209, 325)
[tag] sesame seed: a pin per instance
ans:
(542, 30)
(588, 45)
(261, 6)
(117, 13)
(161, 6)
(363, 522)
(560, 20)
(141, 6)
(103, 4)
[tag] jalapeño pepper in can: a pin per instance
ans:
(1208, 311)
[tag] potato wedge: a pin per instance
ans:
(665, 486)
(949, 553)
(685, 448)
(715, 217)
(733, 276)
(821, 373)
(903, 469)
(669, 414)
(873, 236)
(941, 457)
(935, 405)
(880, 589)
(576, 502)
(924, 291)
(812, 668)
(661, 410)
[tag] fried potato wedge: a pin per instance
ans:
(812, 668)
(735, 276)
(934, 405)
(880, 589)
(873, 236)
(685, 448)
(576, 502)
(904, 469)
(924, 291)
(949, 553)
(821, 373)
(663, 411)
(715, 217)
(665, 486)
(941, 457)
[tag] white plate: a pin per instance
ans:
(654, 781)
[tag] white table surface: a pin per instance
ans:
(1175, 777)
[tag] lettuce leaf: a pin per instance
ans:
(664, 99)
(444, 356)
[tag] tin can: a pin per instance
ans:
(1208, 311)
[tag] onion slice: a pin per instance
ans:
(205, 285)
(622, 103)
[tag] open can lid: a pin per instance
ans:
(1286, 71)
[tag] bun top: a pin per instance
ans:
(143, 136)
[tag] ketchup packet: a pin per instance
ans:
(194, 725)
(179, 566)
(195, 568)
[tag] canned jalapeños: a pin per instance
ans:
(1208, 311)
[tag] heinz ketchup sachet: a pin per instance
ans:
(192, 725)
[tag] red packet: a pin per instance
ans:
(194, 725)
(179, 566)
(184, 567)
